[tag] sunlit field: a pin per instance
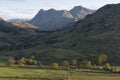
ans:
(22, 73)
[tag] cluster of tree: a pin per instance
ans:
(112, 69)
(99, 59)
(115, 70)
(90, 62)
(85, 64)
(22, 61)
(65, 64)
(93, 62)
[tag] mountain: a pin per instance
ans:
(79, 12)
(16, 34)
(6, 27)
(21, 38)
(52, 19)
(95, 34)
(6, 32)
(58, 19)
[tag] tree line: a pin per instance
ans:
(91, 62)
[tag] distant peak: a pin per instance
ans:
(41, 9)
(51, 9)
(77, 7)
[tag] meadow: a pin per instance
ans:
(36, 73)
(24, 73)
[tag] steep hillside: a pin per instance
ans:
(97, 33)
(16, 35)
(7, 27)
(24, 25)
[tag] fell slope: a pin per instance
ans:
(24, 25)
(97, 33)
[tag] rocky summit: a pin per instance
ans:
(58, 19)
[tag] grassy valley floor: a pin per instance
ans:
(22, 73)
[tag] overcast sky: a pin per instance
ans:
(28, 8)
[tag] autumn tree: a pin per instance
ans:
(32, 57)
(32, 60)
(66, 63)
(55, 66)
(98, 59)
(106, 66)
(102, 58)
(74, 62)
(22, 62)
(86, 64)
(11, 62)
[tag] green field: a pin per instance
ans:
(13, 73)
(35, 73)
(22, 73)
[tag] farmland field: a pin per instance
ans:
(22, 73)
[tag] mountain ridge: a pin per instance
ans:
(96, 33)
(57, 19)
